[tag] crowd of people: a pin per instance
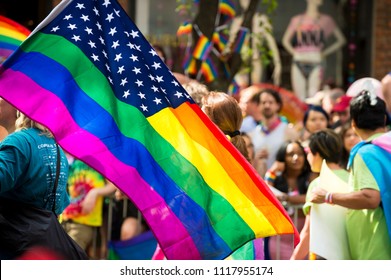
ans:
(290, 156)
(328, 169)
(336, 136)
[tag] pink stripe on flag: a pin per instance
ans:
(5, 52)
(259, 249)
(383, 141)
(83, 143)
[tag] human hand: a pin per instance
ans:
(277, 167)
(283, 197)
(318, 195)
(119, 195)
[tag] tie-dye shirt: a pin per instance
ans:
(81, 180)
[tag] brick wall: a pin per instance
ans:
(381, 63)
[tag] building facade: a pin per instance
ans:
(365, 23)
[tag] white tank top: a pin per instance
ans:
(272, 141)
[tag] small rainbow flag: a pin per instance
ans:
(227, 9)
(134, 123)
(233, 88)
(240, 38)
(184, 29)
(220, 39)
(189, 65)
(12, 34)
(202, 48)
(209, 70)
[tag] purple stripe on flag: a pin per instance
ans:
(384, 141)
(152, 205)
(259, 253)
(5, 52)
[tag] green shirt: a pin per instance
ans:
(366, 228)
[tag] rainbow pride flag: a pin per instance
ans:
(227, 9)
(202, 48)
(190, 65)
(252, 250)
(233, 88)
(184, 29)
(240, 39)
(12, 34)
(220, 40)
(89, 75)
(209, 70)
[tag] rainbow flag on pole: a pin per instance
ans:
(91, 77)
(209, 70)
(184, 29)
(12, 34)
(202, 48)
(227, 9)
(240, 39)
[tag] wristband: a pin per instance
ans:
(331, 199)
(326, 197)
(270, 176)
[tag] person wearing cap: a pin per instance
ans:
(340, 113)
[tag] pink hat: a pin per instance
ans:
(342, 104)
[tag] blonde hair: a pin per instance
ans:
(196, 90)
(23, 122)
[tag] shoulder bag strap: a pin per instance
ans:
(56, 180)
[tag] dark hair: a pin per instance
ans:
(328, 144)
(303, 178)
(255, 98)
(159, 48)
(273, 93)
(315, 108)
(368, 111)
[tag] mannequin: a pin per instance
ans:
(261, 33)
(305, 40)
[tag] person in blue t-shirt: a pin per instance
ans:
(28, 160)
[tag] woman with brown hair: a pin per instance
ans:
(224, 111)
(349, 140)
(290, 176)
